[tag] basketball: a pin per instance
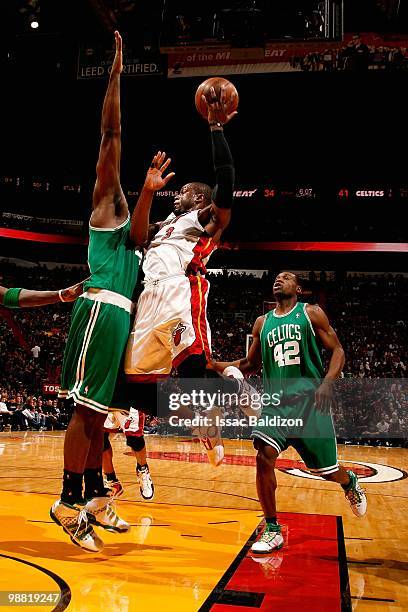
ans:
(231, 94)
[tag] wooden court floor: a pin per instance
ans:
(188, 548)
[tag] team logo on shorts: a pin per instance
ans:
(177, 333)
(366, 472)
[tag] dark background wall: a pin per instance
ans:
(325, 129)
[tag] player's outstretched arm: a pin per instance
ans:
(154, 181)
(216, 217)
(27, 298)
(253, 361)
(330, 341)
(110, 208)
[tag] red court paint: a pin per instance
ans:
(309, 574)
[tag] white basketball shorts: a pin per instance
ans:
(170, 324)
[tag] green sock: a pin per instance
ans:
(352, 482)
(271, 523)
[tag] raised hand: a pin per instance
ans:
(117, 65)
(154, 177)
(218, 106)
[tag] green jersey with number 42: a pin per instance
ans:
(292, 364)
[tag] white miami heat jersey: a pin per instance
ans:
(181, 246)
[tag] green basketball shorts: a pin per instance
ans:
(306, 429)
(93, 355)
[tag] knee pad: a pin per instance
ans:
(136, 443)
(106, 441)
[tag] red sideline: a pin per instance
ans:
(38, 237)
(336, 247)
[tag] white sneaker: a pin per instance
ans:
(146, 483)
(215, 453)
(114, 487)
(101, 512)
(356, 496)
(210, 436)
(270, 540)
(232, 372)
(245, 393)
(74, 521)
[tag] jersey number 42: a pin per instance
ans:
(287, 354)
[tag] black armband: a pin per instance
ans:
(224, 170)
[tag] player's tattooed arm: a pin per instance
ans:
(141, 231)
(330, 341)
(110, 208)
(29, 298)
(250, 364)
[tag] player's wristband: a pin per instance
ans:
(11, 297)
(60, 295)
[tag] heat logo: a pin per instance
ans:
(177, 333)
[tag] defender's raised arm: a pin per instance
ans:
(110, 208)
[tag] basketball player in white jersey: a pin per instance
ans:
(171, 327)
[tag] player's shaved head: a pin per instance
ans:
(204, 189)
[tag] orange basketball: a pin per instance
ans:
(231, 94)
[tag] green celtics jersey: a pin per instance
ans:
(291, 359)
(113, 260)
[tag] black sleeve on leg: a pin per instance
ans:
(136, 443)
(194, 366)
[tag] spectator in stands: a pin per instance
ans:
(383, 427)
(18, 419)
(5, 413)
(29, 413)
(356, 55)
(36, 351)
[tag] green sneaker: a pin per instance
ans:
(101, 512)
(74, 521)
(270, 540)
(356, 496)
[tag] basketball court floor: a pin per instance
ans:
(188, 549)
